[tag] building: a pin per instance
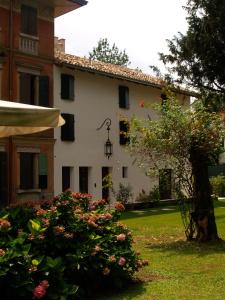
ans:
(89, 93)
(26, 76)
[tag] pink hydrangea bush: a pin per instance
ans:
(66, 248)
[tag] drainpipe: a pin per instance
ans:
(10, 98)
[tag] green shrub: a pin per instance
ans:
(153, 195)
(123, 194)
(64, 249)
(218, 185)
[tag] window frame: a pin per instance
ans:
(66, 134)
(29, 15)
(67, 87)
(124, 99)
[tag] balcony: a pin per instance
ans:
(29, 44)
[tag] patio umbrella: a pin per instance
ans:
(18, 118)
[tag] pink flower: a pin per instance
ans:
(97, 248)
(121, 237)
(68, 235)
(39, 292)
(4, 224)
(32, 269)
(44, 283)
(2, 252)
(46, 222)
(92, 207)
(58, 230)
(108, 216)
(142, 103)
(112, 259)
(41, 212)
(122, 261)
(119, 206)
(106, 271)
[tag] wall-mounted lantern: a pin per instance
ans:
(108, 147)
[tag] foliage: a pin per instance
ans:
(197, 57)
(123, 194)
(166, 142)
(153, 195)
(64, 249)
(186, 141)
(104, 52)
(218, 185)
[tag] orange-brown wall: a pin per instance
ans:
(42, 62)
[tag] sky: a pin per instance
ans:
(141, 27)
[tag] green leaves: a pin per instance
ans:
(105, 53)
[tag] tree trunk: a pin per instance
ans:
(203, 214)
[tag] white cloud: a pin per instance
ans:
(139, 26)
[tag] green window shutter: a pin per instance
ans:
(43, 171)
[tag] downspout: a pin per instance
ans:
(10, 98)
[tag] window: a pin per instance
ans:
(43, 171)
(29, 20)
(124, 128)
(163, 98)
(3, 178)
(27, 176)
(83, 179)
(67, 130)
(124, 172)
(67, 87)
(123, 97)
(34, 89)
(66, 178)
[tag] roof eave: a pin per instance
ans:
(115, 76)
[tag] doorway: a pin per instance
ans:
(165, 183)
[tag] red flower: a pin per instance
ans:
(122, 261)
(44, 283)
(121, 237)
(142, 103)
(119, 206)
(39, 292)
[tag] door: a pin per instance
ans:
(165, 183)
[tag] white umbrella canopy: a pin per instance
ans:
(18, 118)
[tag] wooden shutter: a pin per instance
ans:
(29, 20)
(27, 88)
(43, 171)
(123, 97)
(67, 87)
(26, 170)
(124, 128)
(65, 178)
(43, 91)
(83, 179)
(67, 130)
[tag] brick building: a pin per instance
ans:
(26, 76)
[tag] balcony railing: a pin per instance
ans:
(29, 44)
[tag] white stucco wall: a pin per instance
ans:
(96, 98)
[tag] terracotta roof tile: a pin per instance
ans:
(107, 69)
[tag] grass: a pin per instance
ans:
(177, 269)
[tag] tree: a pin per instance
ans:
(104, 52)
(186, 141)
(197, 58)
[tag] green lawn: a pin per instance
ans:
(177, 269)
